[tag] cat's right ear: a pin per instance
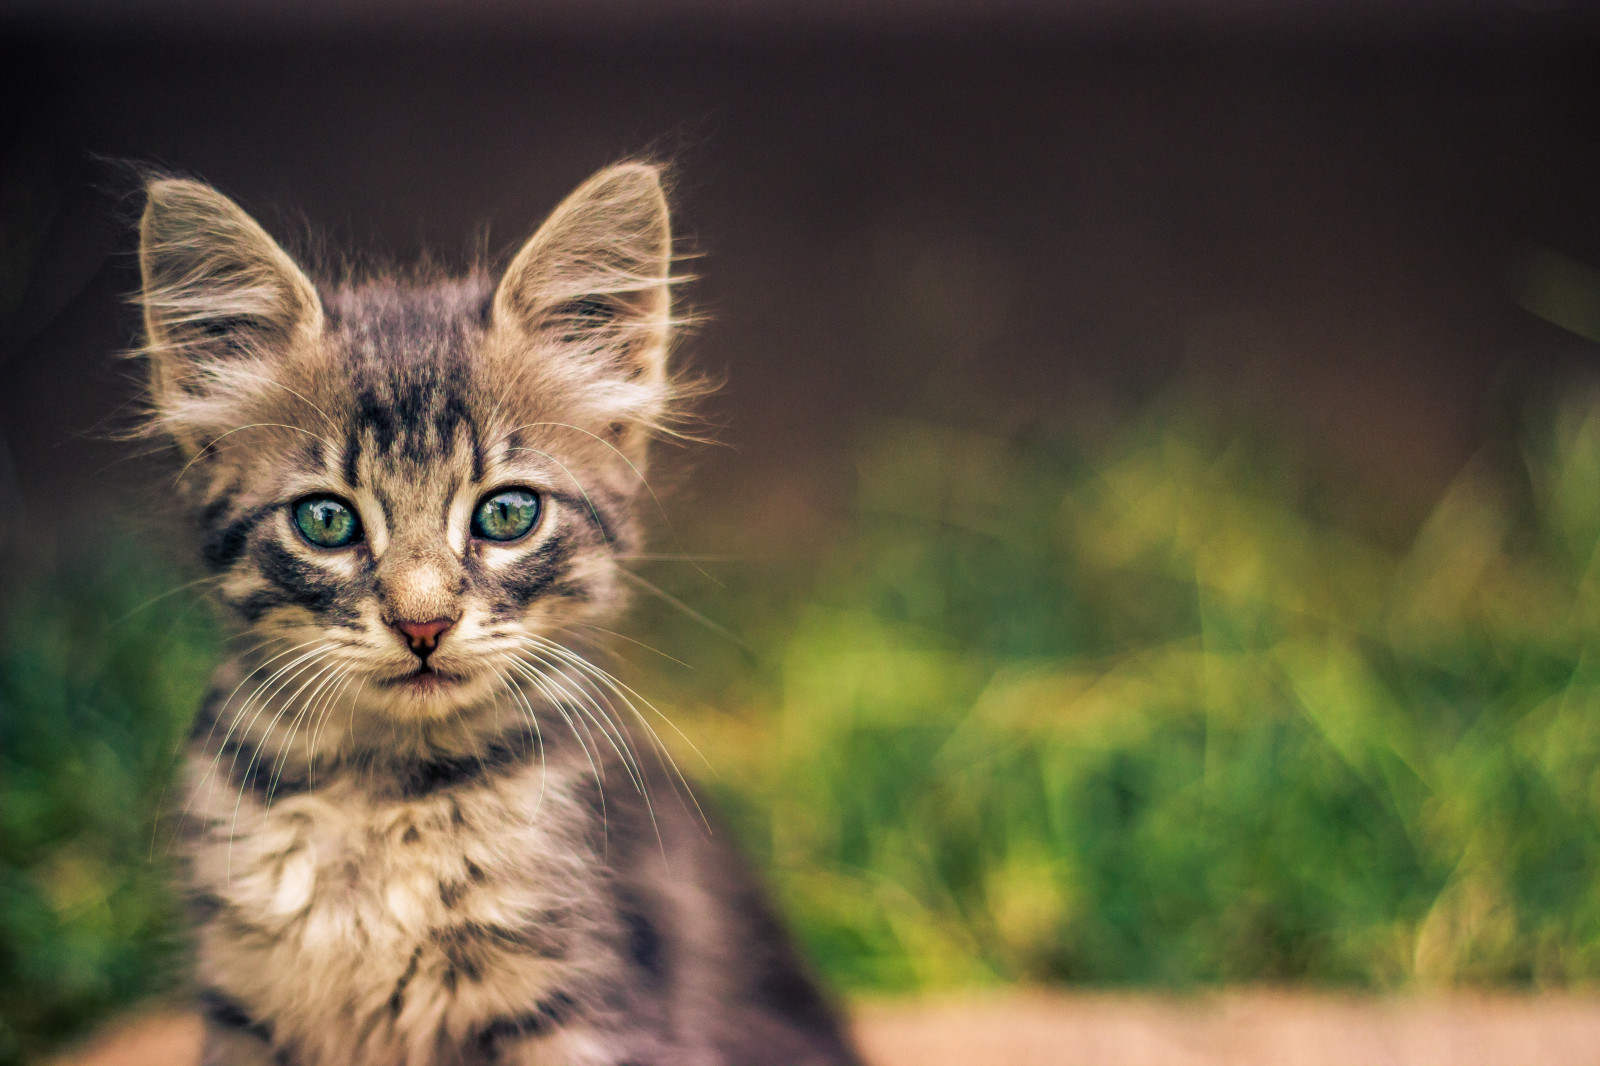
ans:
(594, 281)
(222, 303)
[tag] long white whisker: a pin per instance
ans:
(184, 740)
(598, 718)
(263, 694)
(629, 760)
(538, 734)
(317, 670)
(329, 677)
(314, 739)
(530, 723)
(581, 490)
(324, 672)
(636, 473)
(234, 722)
(630, 640)
(314, 734)
(152, 601)
(332, 425)
(350, 709)
(684, 607)
(261, 698)
(620, 454)
(625, 752)
(555, 703)
(223, 707)
(559, 699)
(627, 694)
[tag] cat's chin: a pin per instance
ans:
(430, 693)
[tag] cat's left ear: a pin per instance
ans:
(595, 279)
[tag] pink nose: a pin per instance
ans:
(423, 637)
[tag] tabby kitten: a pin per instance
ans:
(414, 497)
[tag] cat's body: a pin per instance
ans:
(420, 827)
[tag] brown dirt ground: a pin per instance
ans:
(1237, 1028)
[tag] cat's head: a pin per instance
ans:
(415, 483)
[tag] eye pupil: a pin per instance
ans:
(506, 515)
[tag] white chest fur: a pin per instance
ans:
(368, 930)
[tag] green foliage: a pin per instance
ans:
(1143, 716)
(96, 685)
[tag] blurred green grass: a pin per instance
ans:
(1172, 711)
(1166, 710)
(100, 671)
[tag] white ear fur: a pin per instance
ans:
(222, 301)
(596, 277)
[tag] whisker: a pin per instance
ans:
(538, 734)
(630, 761)
(179, 745)
(530, 723)
(260, 697)
(560, 699)
(241, 429)
(324, 710)
(152, 601)
(268, 379)
(223, 707)
(630, 640)
(314, 734)
(600, 719)
(619, 452)
(350, 709)
(331, 677)
(684, 607)
(610, 680)
(244, 778)
(626, 693)
(555, 702)
(228, 735)
(621, 455)
(581, 490)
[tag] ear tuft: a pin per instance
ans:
(595, 279)
(218, 294)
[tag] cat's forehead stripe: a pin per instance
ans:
(408, 353)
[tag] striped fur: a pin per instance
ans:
(442, 856)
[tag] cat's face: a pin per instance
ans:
(412, 488)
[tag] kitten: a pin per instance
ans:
(414, 497)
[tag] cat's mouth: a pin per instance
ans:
(425, 679)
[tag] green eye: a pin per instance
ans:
(506, 515)
(327, 522)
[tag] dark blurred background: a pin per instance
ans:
(989, 213)
(1160, 482)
